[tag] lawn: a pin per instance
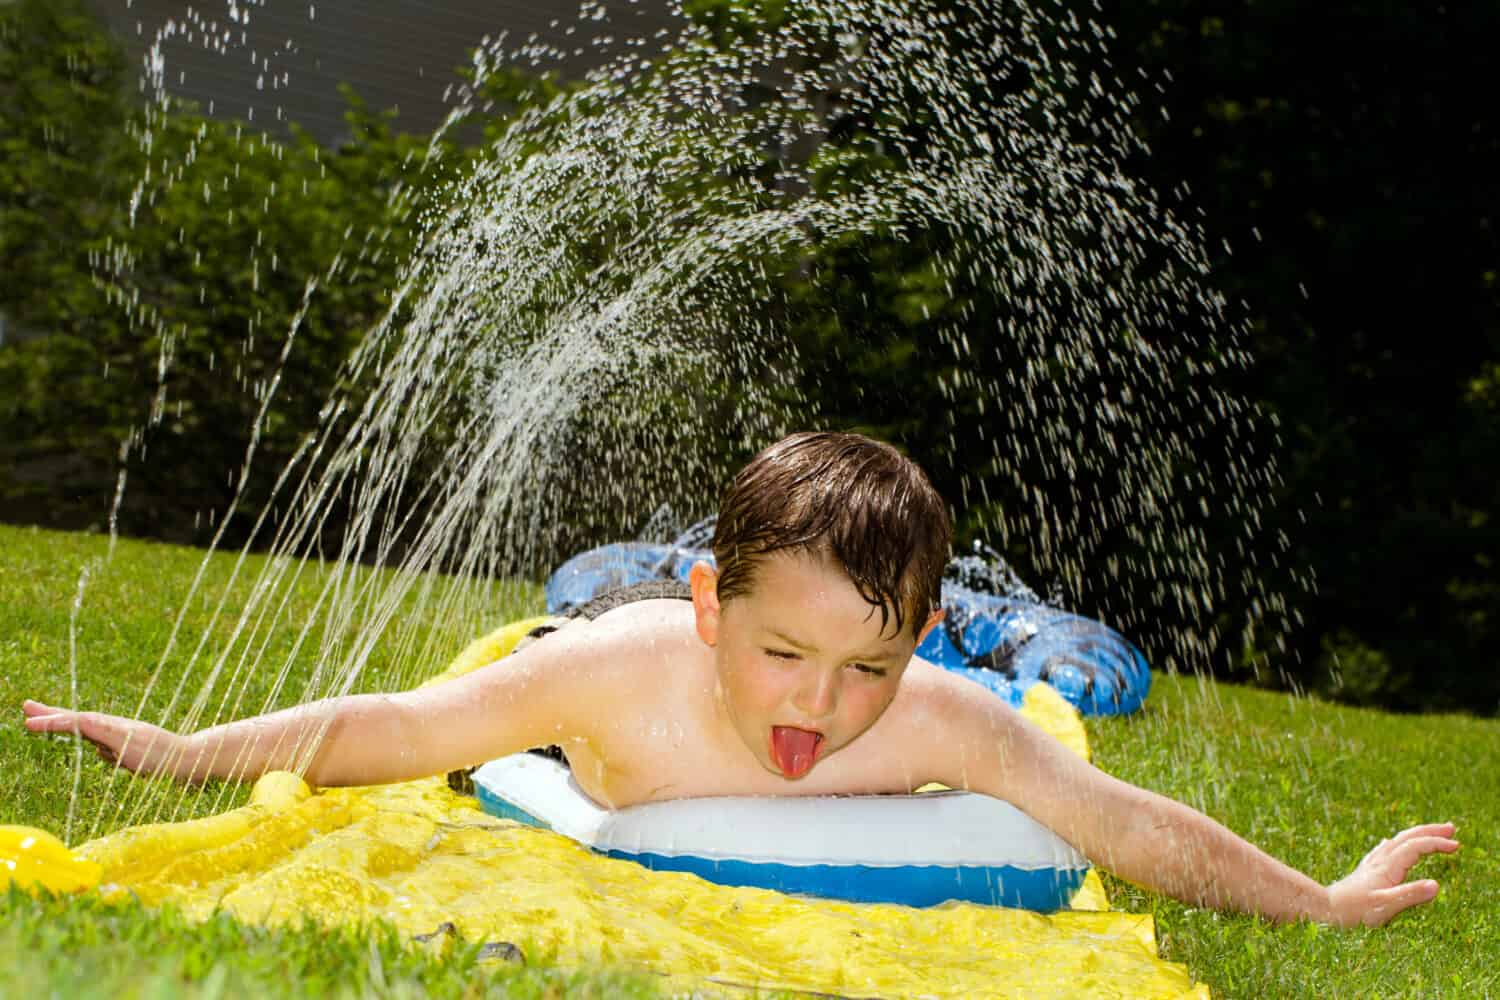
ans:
(1315, 784)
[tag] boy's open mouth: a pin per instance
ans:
(794, 750)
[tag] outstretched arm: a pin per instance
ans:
(532, 698)
(244, 749)
(1166, 846)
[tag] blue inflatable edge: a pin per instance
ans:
(1043, 890)
(501, 809)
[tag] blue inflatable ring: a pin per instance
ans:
(931, 847)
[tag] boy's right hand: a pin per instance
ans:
(128, 743)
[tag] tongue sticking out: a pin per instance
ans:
(793, 749)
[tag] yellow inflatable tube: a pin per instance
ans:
(420, 855)
(32, 858)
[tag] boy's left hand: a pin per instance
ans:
(1377, 890)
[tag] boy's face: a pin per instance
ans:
(803, 665)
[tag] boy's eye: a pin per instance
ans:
(780, 654)
(868, 670)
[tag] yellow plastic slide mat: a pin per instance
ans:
(420, 855)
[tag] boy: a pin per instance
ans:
(788, 671)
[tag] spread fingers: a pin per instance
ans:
(1411, 851)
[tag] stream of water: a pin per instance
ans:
(563, 338)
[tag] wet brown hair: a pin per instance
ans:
(846, 496)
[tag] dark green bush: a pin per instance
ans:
(158, 297)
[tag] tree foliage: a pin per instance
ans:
(165, 266)
(1345, 182)
(1343, 158)
(155, 265)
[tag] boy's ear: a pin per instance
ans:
(933, 620)
(705, 583)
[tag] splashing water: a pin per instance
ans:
(596, 321)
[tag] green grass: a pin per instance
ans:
(84, 949)
(128, 606)
(1315, 784)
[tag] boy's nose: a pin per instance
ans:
(818, 694)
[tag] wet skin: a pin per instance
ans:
(803, 650)
(670, 699)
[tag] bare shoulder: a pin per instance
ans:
(567, 688)
(921, 736)
(637, 635)
(993, 748)
(607, 657)
(930, 694)
(942, 725)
